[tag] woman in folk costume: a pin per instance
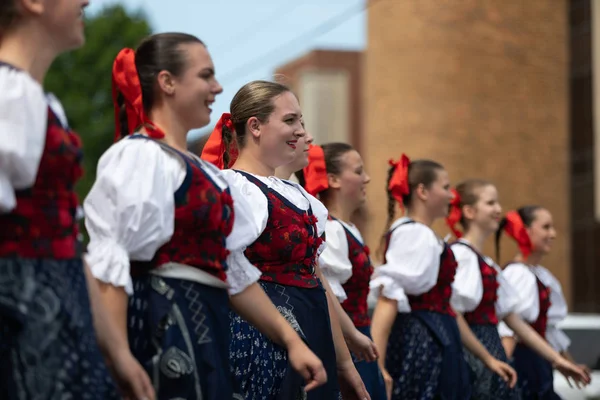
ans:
(414, 325)
(48, 347)
(358, 343)
(337, 175)
(481, 293)
(262, 133)
(168, 231)
(540, 303)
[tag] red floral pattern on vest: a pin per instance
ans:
(437, 299)
(357, 287)
(203, 220)
(286, 250)
(485, 312)
(43, 223)
(541, 323)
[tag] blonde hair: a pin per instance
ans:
(254, 99)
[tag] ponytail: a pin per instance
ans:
(501, 228)
(391, 214)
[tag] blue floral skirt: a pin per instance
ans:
(48, 347)
(370, 373)
(261, 366)
(179, 332)
(536, 379)
(425, 359)
(486, 384)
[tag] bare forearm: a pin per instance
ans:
(346, 323)
(109, 310)
(530, 337)
(381, 325)
(254, 306)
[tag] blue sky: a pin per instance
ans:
(249, 39)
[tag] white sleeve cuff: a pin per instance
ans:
(504, 330)
(109, 263)
(387, 287)
(240, 272)
(336, 288)
(557, 339)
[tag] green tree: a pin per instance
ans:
(82, 81)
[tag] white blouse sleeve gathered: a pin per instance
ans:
(557, 312)
(23, 125)
(412, 263)
(522, 280)
(129, 212)
(334, 261)
(251, 213)
(467, 288)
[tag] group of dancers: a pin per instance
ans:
(220, 276)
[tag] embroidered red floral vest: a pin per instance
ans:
(541, 323)
(286, 250)
(43, 224)
(203, 220)
(437, 299)
(357, 287)
(485, 312)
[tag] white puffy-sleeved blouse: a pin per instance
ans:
(412, 263)
(467, 288)
(130, 212)
(23, 126)
(334, 260)
(523, 279)
(292, 191)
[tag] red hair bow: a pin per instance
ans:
(315, 173)
(454, 214)
(215, 147)
(398, 185)
(515, 228)
(126, 82)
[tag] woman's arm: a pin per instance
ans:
(381, 326)
(109, 311)
(533, 340)
(473, 344)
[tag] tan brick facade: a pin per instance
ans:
(480, 87)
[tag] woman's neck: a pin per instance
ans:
(338, 208)
(534, 259)
(248, 162)
(175, 133)
(476, 237)
(27, 49)
(284, 172)
(419, 214)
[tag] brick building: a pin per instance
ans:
(497, 90)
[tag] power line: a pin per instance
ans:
(321, 29)
(250, 32)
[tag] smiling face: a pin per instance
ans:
(437, 196)
(485, 212)
(352, 179)
(541, 231)
(195, 88)
(61, 21)
(279, 137)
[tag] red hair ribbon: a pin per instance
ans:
(515, 228)
(398, 185)
(125, 80)
(214, 149)
(454, 214)
(315, 173)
